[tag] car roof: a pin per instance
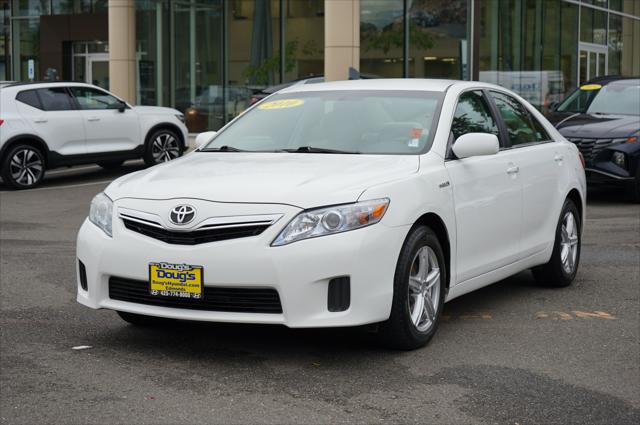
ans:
(608, 79)
(44, 84)
(413, 84)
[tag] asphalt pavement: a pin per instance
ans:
(509, 353)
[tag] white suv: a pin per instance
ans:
(48, 125)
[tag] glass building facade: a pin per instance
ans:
(208, 57)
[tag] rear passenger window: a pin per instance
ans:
(473, 116)
(541, 133)
(522, 127)
(29, 97)
(55, 99)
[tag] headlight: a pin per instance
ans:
(329, 220)
(180, 117)
(619, 159)
(101, 212)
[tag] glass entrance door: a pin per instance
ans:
(91, 63)
(593, 61)
(97, 72)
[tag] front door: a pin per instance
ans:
(487, 195)
(593, 61)
(106, 128)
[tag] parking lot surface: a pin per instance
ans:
(509, 353)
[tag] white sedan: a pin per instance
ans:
(341, 204)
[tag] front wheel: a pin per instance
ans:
(418, 292)
(563, 265)
(634, 188)
(23, 167)
(163, 146)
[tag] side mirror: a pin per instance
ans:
(204, 138)
(476, 144)
(122, 107)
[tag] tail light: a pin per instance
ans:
(582, 160)
(1, 122)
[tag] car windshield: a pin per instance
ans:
(358, 121)
(617, 98)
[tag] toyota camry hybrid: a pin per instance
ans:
(341, 204)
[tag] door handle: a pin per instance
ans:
(513, 170)
(40, 120)
(558, 158)
(93, 119)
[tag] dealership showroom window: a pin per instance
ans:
(209, 57)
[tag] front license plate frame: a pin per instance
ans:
(176, 281)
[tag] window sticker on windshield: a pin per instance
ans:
(591, 87)
(281, 104)
(416, 133)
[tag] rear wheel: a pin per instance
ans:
(141, 320)
(163, 146)
(563, 265)
(110, 165)
(23, 167)
(418, 292)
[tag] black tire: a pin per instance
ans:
(634, 189)
(23, 166)
(141, 320)
(554, 273)
(111, 165)
(399, 331)
(162, 145)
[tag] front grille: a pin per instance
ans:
(236, 300)
(590, 148)
(195, 237)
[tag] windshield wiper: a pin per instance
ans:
(223, 148)
(312, 149)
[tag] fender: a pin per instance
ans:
(166, 125)
(29, 137)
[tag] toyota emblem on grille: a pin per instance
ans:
(182, 214)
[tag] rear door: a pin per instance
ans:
(107, 129)
(487, 194)
(52, 115)
(541, 163)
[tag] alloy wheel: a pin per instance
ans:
(569, 242)
(165, 148)
(424, 288)
(26, 166)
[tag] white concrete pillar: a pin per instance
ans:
(122, 49)
(341, 38)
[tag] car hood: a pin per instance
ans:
(598, 126)
(303, 180)
(155, 110)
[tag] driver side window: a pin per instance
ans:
(473, 116)
(89, 98)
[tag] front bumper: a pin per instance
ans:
(300, 272)
(608, 175)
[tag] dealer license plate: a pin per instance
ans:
(175, 280)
